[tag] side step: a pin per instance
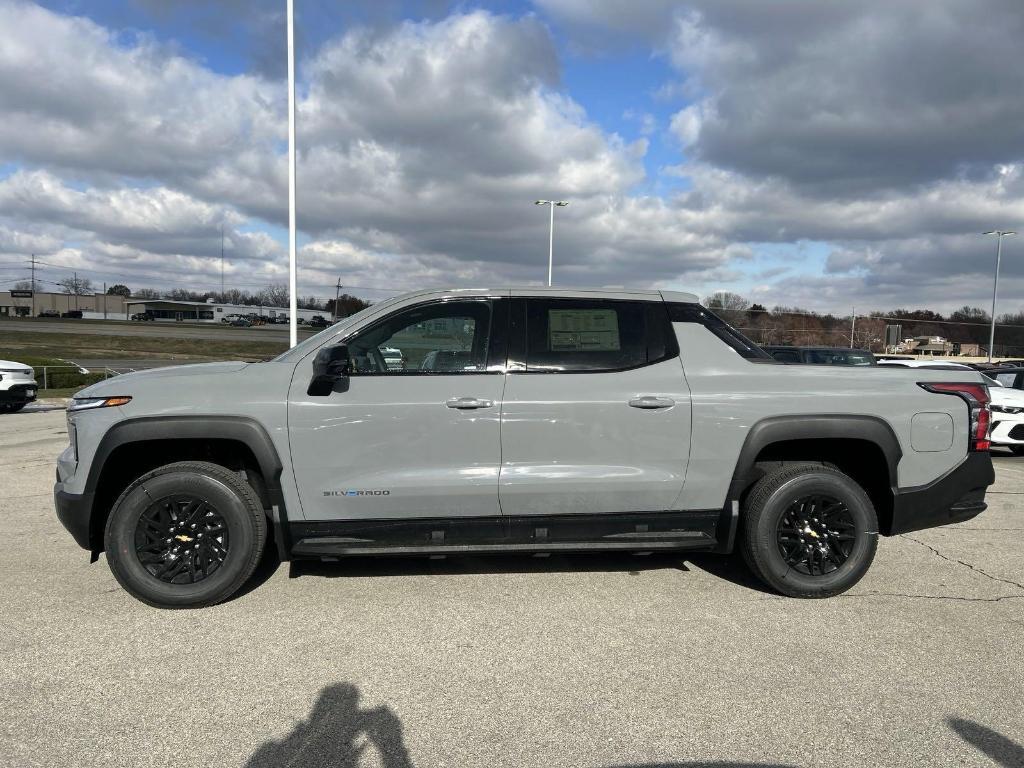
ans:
(630, 532)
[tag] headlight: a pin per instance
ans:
(1006, 409)
(86, 403)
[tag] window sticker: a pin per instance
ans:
(583, 330)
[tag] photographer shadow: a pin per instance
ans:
(337, 733)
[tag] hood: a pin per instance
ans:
(10, 365)
(119, 385)
(1006, 396)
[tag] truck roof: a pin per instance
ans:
(567, 292)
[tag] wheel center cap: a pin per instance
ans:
(182, 537)
(811, 532)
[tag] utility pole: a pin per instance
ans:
(75, 284)
(222, 260)
(33, 262)
(853, 324)
(104, 300)
(337, 295)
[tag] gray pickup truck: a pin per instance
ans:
(517, 420)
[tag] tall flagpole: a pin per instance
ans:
(293, 301)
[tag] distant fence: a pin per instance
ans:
(67, 376)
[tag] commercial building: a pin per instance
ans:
(98, 306)
(103, 306)
(208, 311)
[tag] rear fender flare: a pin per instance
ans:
(778, 429)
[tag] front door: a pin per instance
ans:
(416, 434)
(596, 413)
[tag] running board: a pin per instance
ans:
(630, 532)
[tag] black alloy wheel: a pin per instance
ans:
(808, 529)
(181, 539)
(186, 535)
(816, 534)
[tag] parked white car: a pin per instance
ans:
(1007, 417)
(17, 386)
(925, 362)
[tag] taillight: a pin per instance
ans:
(977, 399)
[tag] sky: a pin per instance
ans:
(801, 153)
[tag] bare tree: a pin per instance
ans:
(76, 286)
(23, 285)
(147, 293)
(731, 307)
(274, 295)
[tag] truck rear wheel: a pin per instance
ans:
(809, 530)
(185, 535)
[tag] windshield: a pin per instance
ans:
(318, 339)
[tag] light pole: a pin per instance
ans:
(293, 299)
(1000, 234)
(551, 233)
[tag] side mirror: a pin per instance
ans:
(330, 366)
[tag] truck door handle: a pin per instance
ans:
(649, 402)
(466, 403)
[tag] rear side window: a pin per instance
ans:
(564, 335)
(695, 313)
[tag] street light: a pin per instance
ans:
(551, 235)
(293, 299)
(1000, 234)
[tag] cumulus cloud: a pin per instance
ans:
(887, 131)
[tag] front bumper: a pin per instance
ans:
(956, 496)
(74, 511)
(1007, 429)
(19, 393)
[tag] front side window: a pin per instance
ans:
(445, 337)
(592, 335)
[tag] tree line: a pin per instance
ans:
(791, 325)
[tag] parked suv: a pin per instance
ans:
(560, 421)
(17, 386)
(821, 355)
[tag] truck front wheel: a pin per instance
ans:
(809, 530)
(185, 535)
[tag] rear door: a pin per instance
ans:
(596, 413)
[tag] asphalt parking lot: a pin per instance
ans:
(512, 661)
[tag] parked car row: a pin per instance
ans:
(246, 320)
(73, 314)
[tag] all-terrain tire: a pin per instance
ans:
(774, 496)
(226, 495)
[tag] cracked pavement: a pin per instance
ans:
(511, 661)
